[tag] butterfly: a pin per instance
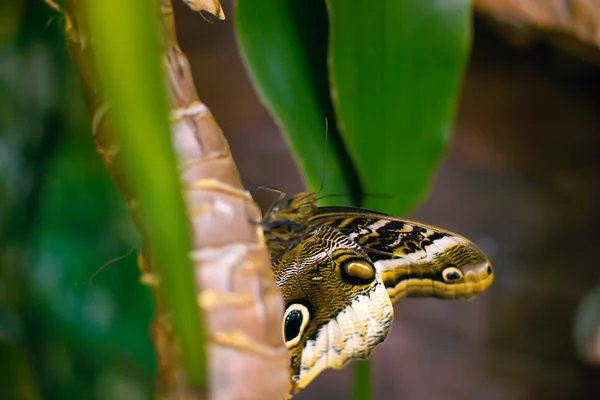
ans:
(341, 269)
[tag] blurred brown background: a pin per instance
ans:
(520, 179)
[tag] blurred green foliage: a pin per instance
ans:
(61, 220)
(386, 74)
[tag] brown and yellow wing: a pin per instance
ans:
(337, 307)
(413, 259)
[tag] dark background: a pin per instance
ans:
(520, 179)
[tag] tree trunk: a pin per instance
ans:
(241, 305)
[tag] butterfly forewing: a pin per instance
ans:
(413, 259)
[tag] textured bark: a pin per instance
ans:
(573, 25)
(242, 307)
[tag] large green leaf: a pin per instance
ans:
(284, 47)
(395, 67)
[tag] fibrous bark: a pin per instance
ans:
(236, 290)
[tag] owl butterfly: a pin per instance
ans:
(341, 269)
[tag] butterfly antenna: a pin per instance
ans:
(366, 195)
(274, 203)
(247, 182)
(270, 189)
(281, 194)
(258, 186)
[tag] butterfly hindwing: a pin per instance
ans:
(337, 307)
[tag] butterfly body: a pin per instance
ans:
(286, 222)
(340, 269)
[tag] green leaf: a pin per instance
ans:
(284, 47)
(395, 68)
(127, 50)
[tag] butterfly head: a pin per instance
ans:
(286, 221)
(337, 307)
(297, 208)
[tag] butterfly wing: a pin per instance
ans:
(413, 259)
(337, 307)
